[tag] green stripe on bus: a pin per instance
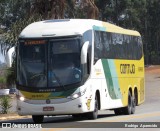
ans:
(62, 94)
(115, 78)
(109, 80)
(99, 28)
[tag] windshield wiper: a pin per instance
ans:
(58, 80)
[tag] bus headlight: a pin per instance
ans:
(74, 96)
(21, 98)
(77, 95)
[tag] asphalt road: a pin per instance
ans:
(147, 112)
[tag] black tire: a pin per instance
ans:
(37, 118)
(133, 105)
(136, 97)
(77, 116)
(93, 115)
(128, 109)
(118, 111)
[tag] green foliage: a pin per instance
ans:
(11, 11)
(11, 76)
(153, 31)
(140, 15)
(11, 73)
(5, 103)
(2, 80)
(10, 38)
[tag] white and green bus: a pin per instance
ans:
(78, 66)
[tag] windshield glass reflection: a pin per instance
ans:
(64, 62)
(49, 64)
(32, 65)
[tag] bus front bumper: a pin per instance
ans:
(71, 107)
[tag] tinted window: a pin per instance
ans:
(64, 59)
(32, 64)
(117, 46)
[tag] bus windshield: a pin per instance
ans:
(64, 62)
(50, 63)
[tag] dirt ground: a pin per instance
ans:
(153, 69)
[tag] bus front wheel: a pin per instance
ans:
(93, 115)
(37, 118)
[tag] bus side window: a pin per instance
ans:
(96, 46)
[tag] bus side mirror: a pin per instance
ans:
(84, 52)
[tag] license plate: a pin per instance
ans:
(48, 108)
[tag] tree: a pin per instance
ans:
(48, 9)
(11, 11)
(91, 9)
(141, 15)
(34, 10)
(5, 104)
(153, 31)
(18, 14)
(2, 82)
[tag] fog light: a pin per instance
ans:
(79, 105)
(19, 108)
(21, 98)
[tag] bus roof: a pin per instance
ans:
(63, 27)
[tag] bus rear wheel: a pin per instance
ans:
(93, 115)
(128, 109)
(133, 104)
(37, 118)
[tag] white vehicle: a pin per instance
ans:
(9, 56)
(78, 66)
